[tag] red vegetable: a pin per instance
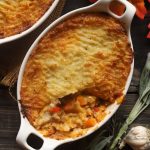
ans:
(82, 100)
(55, 109)
(96, 109)
(90, 122)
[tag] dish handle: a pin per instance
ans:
(126, 17)
(23, 133)
(26, 131)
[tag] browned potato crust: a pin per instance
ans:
(17, 16)
(88, 54)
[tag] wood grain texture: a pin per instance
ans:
(9, 115)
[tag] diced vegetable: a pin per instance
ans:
(90, 122)
(82, 100)
(68, 107)
(72, 107)
(55, 109)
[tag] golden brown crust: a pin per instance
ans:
(87, 53)
(17, 16)
(115, 76)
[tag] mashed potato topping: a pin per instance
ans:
(18, 15)
(77, 69)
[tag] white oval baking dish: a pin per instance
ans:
(33, 27)
(26, 128)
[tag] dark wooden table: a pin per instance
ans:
(9, 115)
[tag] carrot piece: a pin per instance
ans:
(90, 122)
(72, 107)
(55, 109)
(82, 100)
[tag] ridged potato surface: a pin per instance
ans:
(17, 16)
(87, 53)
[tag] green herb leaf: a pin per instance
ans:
(100, 141)
(103, 143)
(145, 76)
(142, 103)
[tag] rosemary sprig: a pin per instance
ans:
(142, 103)
(100, 141)
(145, 77)
(104, 137)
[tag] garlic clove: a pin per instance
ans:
(138, 138)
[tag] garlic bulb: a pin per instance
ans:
(138, 138)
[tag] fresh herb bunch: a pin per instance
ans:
(101, 141)
(105, 136)
(142, 103)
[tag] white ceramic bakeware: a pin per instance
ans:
(26, 128)
(33, 27)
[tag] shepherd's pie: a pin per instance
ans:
(76, 70)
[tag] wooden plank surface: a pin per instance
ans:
(9, 116)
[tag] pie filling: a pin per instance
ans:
(70, 116)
